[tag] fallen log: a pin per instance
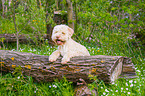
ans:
(106, 68)
(23, 38)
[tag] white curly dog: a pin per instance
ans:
(67, 47)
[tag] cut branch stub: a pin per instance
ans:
(106, 68)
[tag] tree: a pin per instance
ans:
(5, 6)
(70, 13)
(14, 20)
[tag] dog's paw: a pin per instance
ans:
(65, 60)
(52, 59)
(54, 56)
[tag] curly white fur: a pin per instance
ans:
(67, 47)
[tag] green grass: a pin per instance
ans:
(18, 86)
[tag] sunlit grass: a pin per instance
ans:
(18, 86)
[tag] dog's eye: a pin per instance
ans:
(63, 33)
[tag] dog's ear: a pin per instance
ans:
(71, 31)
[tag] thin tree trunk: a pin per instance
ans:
(39, 3)
(14, 20)
(70, 13)
(10, 1)
(48, 25)
(3, 7)
(76, 17)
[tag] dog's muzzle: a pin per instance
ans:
(59, 42)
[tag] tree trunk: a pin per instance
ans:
(49, 33)
(70, 13)
(14, 20)
(48, 24)
(106, 68)
(4, 7)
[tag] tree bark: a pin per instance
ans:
(106, 68)
(23, 38)
(14, 20)
(49, 24)
(4, 7)
(70, 13)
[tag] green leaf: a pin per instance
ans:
(130, 25)
(129, 11)
(113, 8)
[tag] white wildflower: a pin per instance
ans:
(18, 77)
(131, 85)
(54, 86)
(134, 81)
(128, 92)
(30, 50)
(116, 91)
(138, 71)
(106, 90)
(113, 83)
(130, 81)
(34, 50)
(104, 93)
(126, 84)
(121, 88)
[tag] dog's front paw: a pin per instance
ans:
(52, 59)
(54, 56)
(65, 60)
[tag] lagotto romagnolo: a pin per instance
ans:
(67, 47)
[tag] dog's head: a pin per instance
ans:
(61, 33)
